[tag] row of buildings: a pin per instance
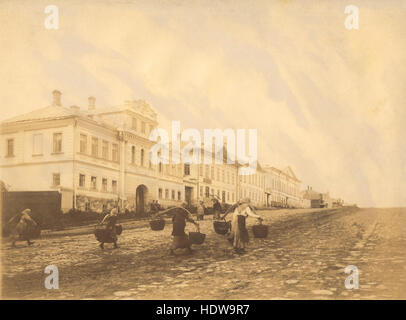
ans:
(97, 157)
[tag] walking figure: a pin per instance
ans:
(22, 227)
(109, 221)
(239, 232)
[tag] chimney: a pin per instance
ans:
(56, 98)
(92, 103)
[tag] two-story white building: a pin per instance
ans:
(96, 158)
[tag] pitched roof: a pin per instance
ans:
(287, 171)
(311, 195)
(50, 112)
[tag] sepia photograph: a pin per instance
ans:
(198, 150)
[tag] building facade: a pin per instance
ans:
(282, 188)
(98, 158)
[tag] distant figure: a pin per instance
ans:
(22, 227)
(110, 221)
(217, 209)
(200, 210)
(153, 207)
(157, 205)
(238, 227)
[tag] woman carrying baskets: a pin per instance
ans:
(180, 238)
(22, 227)
(238, 226)
(179, 218)
(109, 221)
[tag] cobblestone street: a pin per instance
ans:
(303, 257)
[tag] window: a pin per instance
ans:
(83, 143)
(57, 142)
(81, 180)
(95, 147)
(232, 197)
(166, 194)
(173, 194)
(105, 150)
(187, 169)
(228, 196)
(228, 177)
(143, 127)
(142, 157)
(114, 186)
(37, 144)
(201, 191)
(134, 124)
(160, 193)
(179, 195)
(133, 154)
(93, 182)
(207, 192)
(104, 185)
(10, 147)
(115, 152)
(222, 176)
(56, 179)
(201, 170)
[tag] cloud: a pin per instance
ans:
(327, 101)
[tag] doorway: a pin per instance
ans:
(140, 196)
(188, 195)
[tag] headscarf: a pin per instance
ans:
(114, 211)
(26, 211)
(244, 200)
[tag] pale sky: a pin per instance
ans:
(328, 101)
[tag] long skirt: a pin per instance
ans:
(239, 232)
(24, 231)
(180, 242)
(105, 233)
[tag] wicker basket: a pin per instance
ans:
(104, 235)
(222, 227)
(260, 231)
(31, 232)
(196, 237)
(157, 224)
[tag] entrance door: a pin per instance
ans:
(140, 199)
(188, 195)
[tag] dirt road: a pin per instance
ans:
(304, 257)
